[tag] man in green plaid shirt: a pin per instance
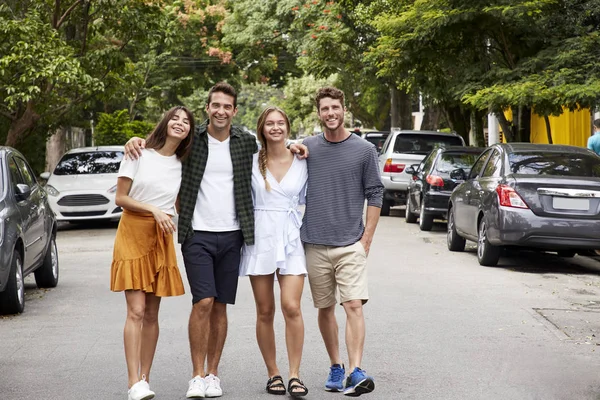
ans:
(216, 217)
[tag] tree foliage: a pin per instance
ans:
(117, 129)
(494, 55)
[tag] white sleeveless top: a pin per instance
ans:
(277, 223)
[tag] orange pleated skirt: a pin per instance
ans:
(144, 258)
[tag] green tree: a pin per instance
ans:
(480, 57)
(274, 41)
(117, 129)
(39, 76)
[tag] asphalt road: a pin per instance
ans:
(439, 326)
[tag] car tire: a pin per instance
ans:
(12, 300)
(385, 208)
(566, 253)
(46, 276)
(454, 240)
(425, 220)
(409, 217)
(487, 254)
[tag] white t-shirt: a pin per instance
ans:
(215, 206)
(156, 179)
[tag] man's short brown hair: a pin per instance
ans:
(225, 88)
(331, 92)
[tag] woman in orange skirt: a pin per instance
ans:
(144, 262)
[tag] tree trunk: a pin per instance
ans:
(476, 137)
(524, 127)
(56, 146)
(431, 118)
(458, 120)
(401, 112)
(507, 127)
(394, 110)
(548, 129)
(20, 126)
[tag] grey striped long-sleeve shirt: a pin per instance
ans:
(341, 176)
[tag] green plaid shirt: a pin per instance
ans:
(242, 146)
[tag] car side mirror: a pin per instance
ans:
(22, 191)
(410, 170)
(458, 174)
(45, 175)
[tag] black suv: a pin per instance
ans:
(27, 232)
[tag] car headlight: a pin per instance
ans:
(51, 190)
(112, 189)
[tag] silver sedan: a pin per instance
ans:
(539, 197)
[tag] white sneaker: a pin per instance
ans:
(197, 388)
(140, 391)
(213, 386)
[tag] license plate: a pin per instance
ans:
(567, 203)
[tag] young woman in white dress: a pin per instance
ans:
(278, 188)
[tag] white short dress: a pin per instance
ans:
(277, 243)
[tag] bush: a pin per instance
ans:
(116, 129)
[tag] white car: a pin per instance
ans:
(401, 150)
(84, 183)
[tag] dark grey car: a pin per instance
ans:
(27, 232)
(541, 197)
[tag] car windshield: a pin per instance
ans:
(448, 162)
(419, 143)
(550, 163)
(93, 162)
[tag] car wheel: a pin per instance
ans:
(487, 254)
(46, 276)
(455, 242)
(566, 253)
(425, 220)
(12, 300)
(409, 217)
(385, 208)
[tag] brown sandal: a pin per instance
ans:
(275, 385)
(293, 389)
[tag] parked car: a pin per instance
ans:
(404, 148)
(376, 137)
(540, 197)
(83, 184)
(27, 232)
(432, 184)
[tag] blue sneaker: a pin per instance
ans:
(358, 382)
(335, 380)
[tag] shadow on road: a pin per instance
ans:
(93, 225)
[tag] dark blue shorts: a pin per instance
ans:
(212, 263)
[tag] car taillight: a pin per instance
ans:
(391, 167)
(435, 181)
(508, 197)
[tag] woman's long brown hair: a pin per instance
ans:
(262, 154)
(157, 139)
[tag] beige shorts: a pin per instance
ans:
(332, 268)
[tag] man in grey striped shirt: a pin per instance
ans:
(342, 174)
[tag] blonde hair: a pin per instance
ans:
(262, 154)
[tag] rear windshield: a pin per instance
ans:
(538, 163)
(377, 139)
(448, 162)
(93, 162)
(423, 143)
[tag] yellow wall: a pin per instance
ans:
(571, 127)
